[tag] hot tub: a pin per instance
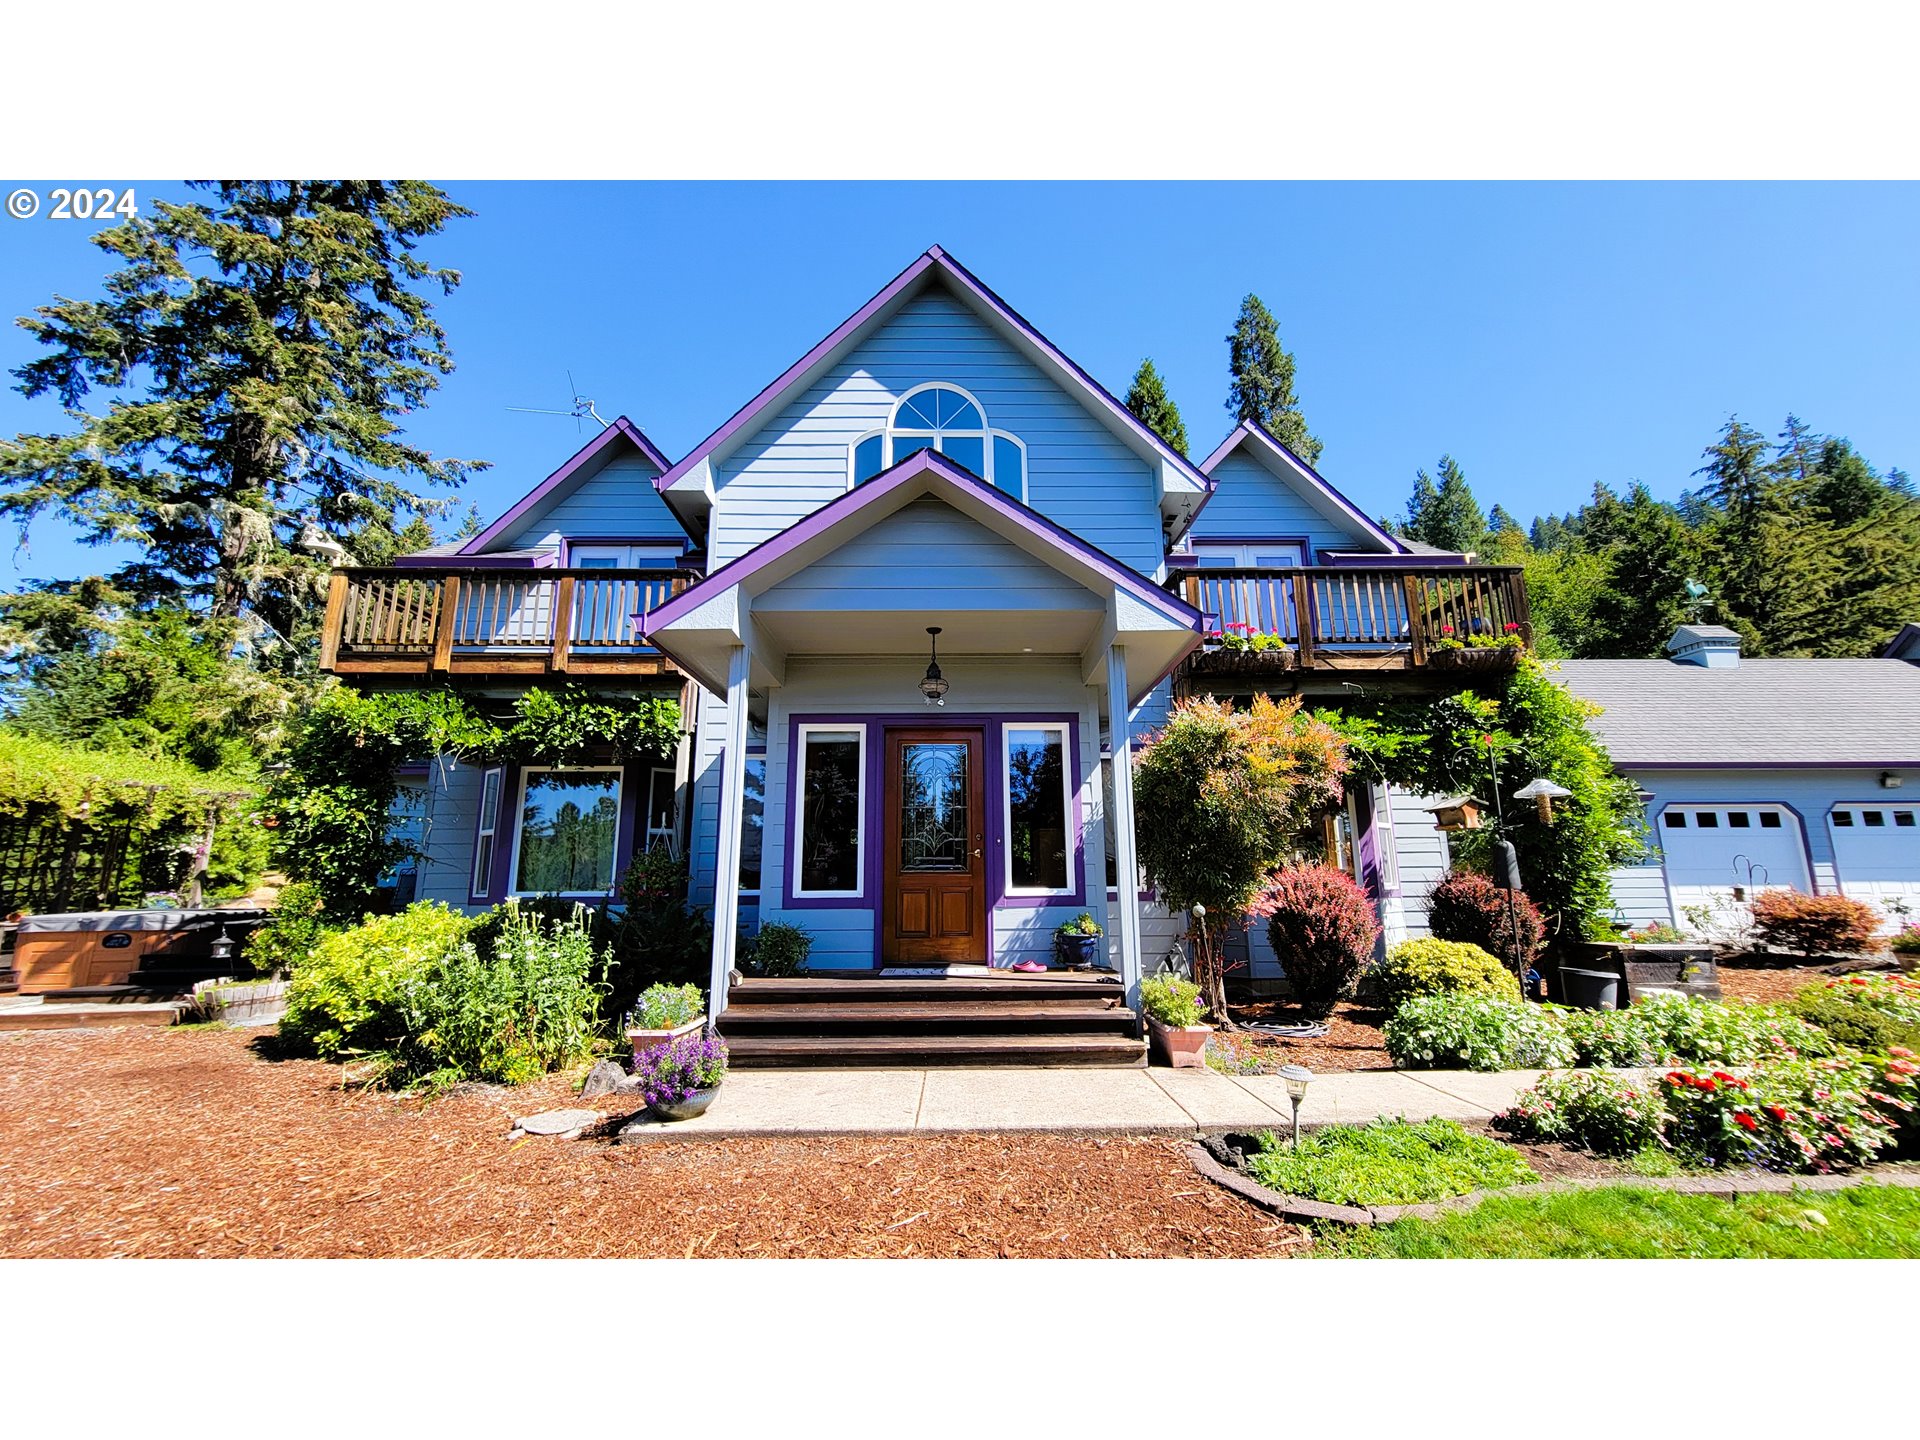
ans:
(105, 947)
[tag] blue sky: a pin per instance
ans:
(1546, 335)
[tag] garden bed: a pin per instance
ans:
(1352, 1041)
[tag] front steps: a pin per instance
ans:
(869, 1023)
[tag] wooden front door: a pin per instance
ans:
(935, 860)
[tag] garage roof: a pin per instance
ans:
(1779, 713)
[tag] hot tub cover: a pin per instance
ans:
(144, 920)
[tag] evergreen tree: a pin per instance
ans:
(259, 351)
(1649, 555)
(1445, 513)
(1743, 519)
(1261, 384)
(1499, 520)
(1147, 398)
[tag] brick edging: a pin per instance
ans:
(1725, 1187)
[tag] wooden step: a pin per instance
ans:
(805, 989)
(920, 1017)
(918, 1051)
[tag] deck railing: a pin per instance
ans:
(1332, 611)
(477, 621)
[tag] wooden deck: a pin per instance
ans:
(400, 625)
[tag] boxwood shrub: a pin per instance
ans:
(1439, 967)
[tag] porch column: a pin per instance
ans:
(1126, 860)
(726, 859)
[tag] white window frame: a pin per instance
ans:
(650, 834)
(891, 453)
(520, 816)
(1242, 555)
(479, 886)
(759, 758)
(1008, 888)
(620, 555)
(860, 836)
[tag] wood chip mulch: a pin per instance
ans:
(188, 1143)
(1352, 1041)
(1767, 984)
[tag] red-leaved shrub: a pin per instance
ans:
(1471, 908)
(1816, 924)
(1321, 926)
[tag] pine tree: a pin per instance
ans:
(1445, 513)
(1261, 383)
(1742, 522)
(1147, 398)
(1498, 520)
(259, 352)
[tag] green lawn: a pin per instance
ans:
(1868, 1222)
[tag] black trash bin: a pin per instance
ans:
(1589, 989)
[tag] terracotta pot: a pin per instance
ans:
(647, 1039)
(1184, 1047)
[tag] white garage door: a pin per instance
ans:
(1717, 856)
(1876, 849)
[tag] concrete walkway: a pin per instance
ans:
(1131, 1102)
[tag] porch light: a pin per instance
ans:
(933, 684)
(1298, 1077)
(1890, 781)
(1543, 793)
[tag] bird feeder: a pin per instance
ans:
(1456, 812)
(1543, 793)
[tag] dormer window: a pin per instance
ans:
(947, 419)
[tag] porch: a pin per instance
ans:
(401, 625)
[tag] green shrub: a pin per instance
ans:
(1907, 941)
(1439, 967)
(296, 926)
(1868, 1012)
(1390, 1162)
(781, 949)
(666, 1007)
(1608, 1114)
(1476, 1032)
(1678, 1029)
(660, 936)
(1171, 1000)
(1812, 1115)
(529, 1006)
(344, 995)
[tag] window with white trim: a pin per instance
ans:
(829, 836)
(568, 825)
(600, 555)
(947, 419)
(484, 831)
(1039, 841)
(1232, 554)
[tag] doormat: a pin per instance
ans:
(932, 972)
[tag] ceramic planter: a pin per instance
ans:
(694, 1104)
(648, 1039)
(1078, 950)
(1184, 1047)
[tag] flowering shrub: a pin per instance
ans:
(1476, 1032)
(671, 1073)
(1471, 909)
(1435, 967)
(1907, 941)
(1655, 933)
(1816, 924)
(1171, 1000)
(663, 1007)
(1791, 1115)
(1321, 926)
(1238, 635)
(1868, 1012)
(1677, 1029)
(1608, 1114)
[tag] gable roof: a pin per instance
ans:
(1763, 713)
(1312, 486)
(933, 264)
(600, 448)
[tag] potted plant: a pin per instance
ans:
(664, 1013)
(779, 950)
(1077, 942)
(1173, 1015)
(679, 1079)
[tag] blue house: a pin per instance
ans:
(915, 597)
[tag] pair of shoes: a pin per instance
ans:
(1027, 967)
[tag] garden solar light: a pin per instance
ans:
(1298, 1077)
(1543, 793)
(933, 684)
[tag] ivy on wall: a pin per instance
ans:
(1530, 727)
(333, 800)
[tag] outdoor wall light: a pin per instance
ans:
(1298, 1077)
(933, 684)
(1890, 781)
(1543, 793)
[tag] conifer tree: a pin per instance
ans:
(1444, 513)
(1260, 388)
(1147, 398)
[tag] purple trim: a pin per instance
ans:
(933, 258)
(498, 871)
(512, 806)
(884, 484)
(1247, 430)
(1190, 558)
(1627, 767)
(567, 542)
(1806, 843)
(1360, 560)
(413, 770)
(621, 429)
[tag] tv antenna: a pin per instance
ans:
(582, 408)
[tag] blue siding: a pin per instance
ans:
(1078, 473)
(616, 500)
(1252, 500)
(453, 805)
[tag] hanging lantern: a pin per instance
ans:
(933, 684)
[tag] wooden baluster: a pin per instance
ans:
(336, 617)
(1304, 615)
(1416, 625)
(563, 624)
(444, 622)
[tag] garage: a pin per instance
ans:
(1719, 855)
(1876, 849)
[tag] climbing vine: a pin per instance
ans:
(333, 800)
(1530, 727)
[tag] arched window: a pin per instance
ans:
(947, 419)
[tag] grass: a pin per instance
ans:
(1868, 1222)
(1390, 1162)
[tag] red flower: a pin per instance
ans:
(1446, 629)
(1512, 626)
(1779, 1112)
(1742, 1118)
